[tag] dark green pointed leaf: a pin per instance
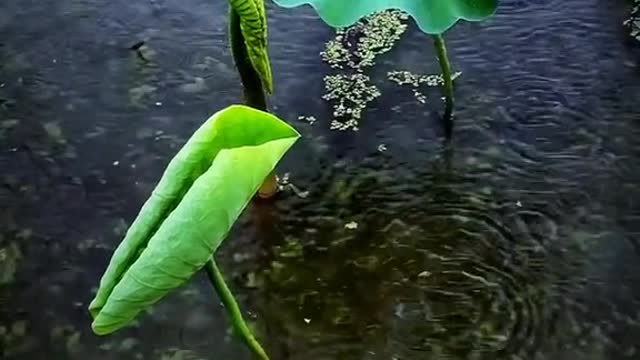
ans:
(253, 24)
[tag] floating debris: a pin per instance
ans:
(351, 225)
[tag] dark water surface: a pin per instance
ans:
(521, 241)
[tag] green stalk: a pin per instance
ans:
(253, 91)
(233, 310)
(445, 66)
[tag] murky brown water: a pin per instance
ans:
(519, 241)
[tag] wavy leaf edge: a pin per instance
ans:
(344, 20)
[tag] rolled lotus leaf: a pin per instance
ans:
(253, 24)
(202, 192)
(432, 16)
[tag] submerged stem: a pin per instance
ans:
(233, 310)
(269, 187)
(445, 66)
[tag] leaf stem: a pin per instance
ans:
(445, 66)
(233, 310)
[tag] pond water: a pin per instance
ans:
(519, 240)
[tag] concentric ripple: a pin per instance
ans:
(480, 287)
(449, 272)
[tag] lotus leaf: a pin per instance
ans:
(203, 190)
(432, 16)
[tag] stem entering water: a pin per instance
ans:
(253, 92)
(233, 310)
(441, 49)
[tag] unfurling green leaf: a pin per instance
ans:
(253, 24)
(432, 16)
(202, 192)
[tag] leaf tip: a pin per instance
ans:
(99, 330)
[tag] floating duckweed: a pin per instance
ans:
(352, 94)
(406, 77)
(380, 32)
(374, 35)
(416, 80)
(633, 23)
(356, 48)
(335, 53)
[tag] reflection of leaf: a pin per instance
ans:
(432, 16)
(73, 343)
(201, 193)
(9, 258)
(137, 94)
(291, 249)
(54, 131)
(177, 354)
(253, 24)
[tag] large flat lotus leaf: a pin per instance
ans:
(203, 190)
(432, 16)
